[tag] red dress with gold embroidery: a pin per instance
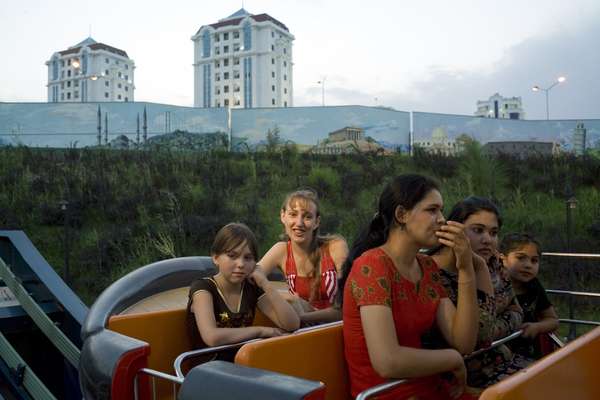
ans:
(374, 280)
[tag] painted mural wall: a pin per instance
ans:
(430, 127)
(320, 130)
(323, 130)
(76, 124)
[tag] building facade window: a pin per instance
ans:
(119, 86)
(68, 95)
(236, 61)
(236, 34)
(127, 88)
(107, 60)
(106, 95)
(284, 77)
(273, 102)
(226, 62)
(106, 83)
(236, 74)
(272, 74)
(226, 75)
(119, 97)
(226, 102)
(69, 72)
(273, 61)
(226, 89)
(272, 88)
(76, 94)
(225, 49)
(226, 36)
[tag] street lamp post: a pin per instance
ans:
(64, 207)
(571, 204)
(322, 83)
(537, 88)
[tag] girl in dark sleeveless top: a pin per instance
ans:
(221, 307)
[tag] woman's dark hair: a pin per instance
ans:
(404, 191)
(467, 207)
(232, 236)
(515, 241)
(471, 205)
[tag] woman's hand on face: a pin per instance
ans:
(453, 235)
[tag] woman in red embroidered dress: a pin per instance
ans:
(393, 294)
(310, 262)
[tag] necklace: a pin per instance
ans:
(224, 297)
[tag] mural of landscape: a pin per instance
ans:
(428, 127)
(323, 130)
(319, 130)
(76, 124)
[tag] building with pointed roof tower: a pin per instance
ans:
(243, 61)
(90, 72)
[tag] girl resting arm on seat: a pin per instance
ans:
(222, 306)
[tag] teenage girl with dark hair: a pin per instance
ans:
(221, 307)
(393, 294)
(500, 313)
(310, 262)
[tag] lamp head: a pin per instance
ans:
(561, 79)
(535, 88)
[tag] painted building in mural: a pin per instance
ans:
(346, 141)
(90, 72)
(440, 143)
(500, 107)
(579, 139)
(243, 61)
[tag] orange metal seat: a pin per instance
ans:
(316, 354)
(569, 373)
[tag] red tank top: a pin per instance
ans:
(300, 285)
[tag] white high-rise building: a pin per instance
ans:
(243, 61)
(90, 72)
(500, 107)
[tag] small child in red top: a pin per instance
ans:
(521, 257)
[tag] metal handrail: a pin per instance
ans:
(372, 391)
(578, 321)
(208, 350)
(573, 293)
(554, 337)
(575, 255)
(367, 393)
(494, 344)
(155, 374)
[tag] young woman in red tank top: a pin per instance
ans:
(310, 262)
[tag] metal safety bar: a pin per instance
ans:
(572, 294)
(372, 391)
(155, 374)
(209, 350)
(365, 394)
(494, 344)
(574, 255)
